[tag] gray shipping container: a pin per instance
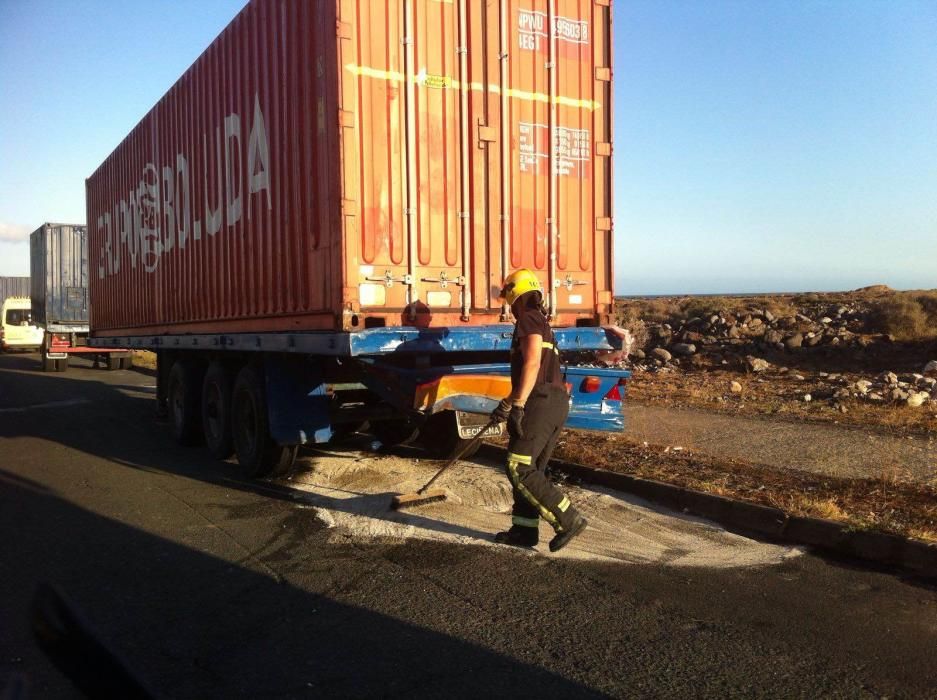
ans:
(58, 264)
(14, 287)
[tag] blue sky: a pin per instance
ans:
(759, 146)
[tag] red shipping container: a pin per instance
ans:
(345, 164)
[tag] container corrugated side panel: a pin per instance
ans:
(219, 211)
(58, 258)
(362, 150)
(14, 287)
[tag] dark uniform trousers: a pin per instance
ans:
(535, 496)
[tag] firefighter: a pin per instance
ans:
(535, 412)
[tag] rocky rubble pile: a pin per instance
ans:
(912, 390)
(758, 330)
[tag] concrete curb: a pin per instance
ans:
(915, 557)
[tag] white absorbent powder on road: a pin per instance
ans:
(352, 491)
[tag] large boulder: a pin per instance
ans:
(683, 349)
(661, 354)
(794, 341)
(930, 369)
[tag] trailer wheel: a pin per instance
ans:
(440, 437)
(216, 411)
(113, 363)
(257, 453)
(184, 393)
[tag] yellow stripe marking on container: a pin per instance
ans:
(441, 81)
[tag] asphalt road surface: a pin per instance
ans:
(211, 586)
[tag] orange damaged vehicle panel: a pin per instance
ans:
(339, 165)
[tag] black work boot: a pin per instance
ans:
(563, 538)
(519, 537)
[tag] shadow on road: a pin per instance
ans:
(196, 625)
(193, 625)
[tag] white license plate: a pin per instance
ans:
(471, 424)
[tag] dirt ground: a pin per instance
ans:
(795, 435)
(781, 395)
(889, 502)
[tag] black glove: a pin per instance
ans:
(516, 421)
(502, 412)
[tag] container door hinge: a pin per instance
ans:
(486, 133)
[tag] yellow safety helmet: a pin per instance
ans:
(520, 282)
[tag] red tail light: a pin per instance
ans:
(590, 385)
(615, 394)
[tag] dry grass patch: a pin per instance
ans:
(907, 315)
(886, 504)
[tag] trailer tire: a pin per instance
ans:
(216, 411)
(257, 453)
(113, 363)
(184, 399)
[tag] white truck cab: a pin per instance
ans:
(18, 332)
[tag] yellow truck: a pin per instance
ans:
(18, 331)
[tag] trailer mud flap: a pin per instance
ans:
(297, 401)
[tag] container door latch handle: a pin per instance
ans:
(444, 280)
(388, 279)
